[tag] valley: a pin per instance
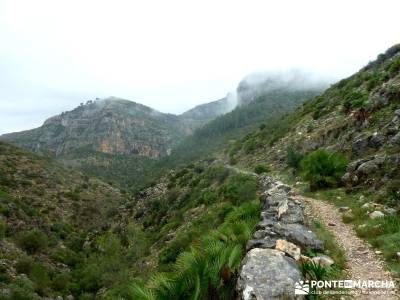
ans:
(115, 200)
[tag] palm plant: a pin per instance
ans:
(209, 268)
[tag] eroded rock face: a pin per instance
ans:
(269, 270)
(268, 274)
(110, 126)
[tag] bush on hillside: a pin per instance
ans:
(239, 189)
(293, 157)
(260, 169)
(33, 241)
(323, 169)
(3, 228)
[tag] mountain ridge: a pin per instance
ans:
(114, 125)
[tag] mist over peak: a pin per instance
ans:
(261, 82)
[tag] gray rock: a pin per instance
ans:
(369, 205)
(390, 211)
(260, 234)
(346, 178)
(294, 214)
(268, 274)
(396, 139)
(351, 167)
(379, 100)
(273, 199)
(264, 243)
(377, 140)
(360, 146)
(265, 224)
(344, 208)
(323, 260)
(395, 160)
(380, 159)
(376, 214)
(367, 168)
(299, 235)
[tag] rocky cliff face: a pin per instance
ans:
(110, 126)
(116, 126)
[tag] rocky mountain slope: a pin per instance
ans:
(116, 126)
(110, 126)
(345, 143)
(358, 116)
(255, 108)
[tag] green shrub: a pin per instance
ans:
(22, 289)
(61, 281)
(323, 169)
(239, 189)
(250, 145)
(293, 157)
(3, 228)
(355, 100)
(66, 256)
(217, 173)
(41, 279)
(208, 270)
(394, 67)
(24, 265)
(260, 169)
(33, 241)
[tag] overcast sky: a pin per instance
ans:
(172, 55)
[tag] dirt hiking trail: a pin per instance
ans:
(362, 262)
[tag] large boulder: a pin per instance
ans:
(376, 214)
(396, 139)
(268, 274)
(360, 146)
(377, 140)
(299, 235)
(351, 167)
(367, 168)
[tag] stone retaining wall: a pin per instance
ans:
(270, 269)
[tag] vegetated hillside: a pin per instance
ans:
(64, 234)
(357, 121)
(129, 173)
(133, 172)
(204, 113)
(47, 214)
(264, 103)
(116, 140)
(197, 220)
